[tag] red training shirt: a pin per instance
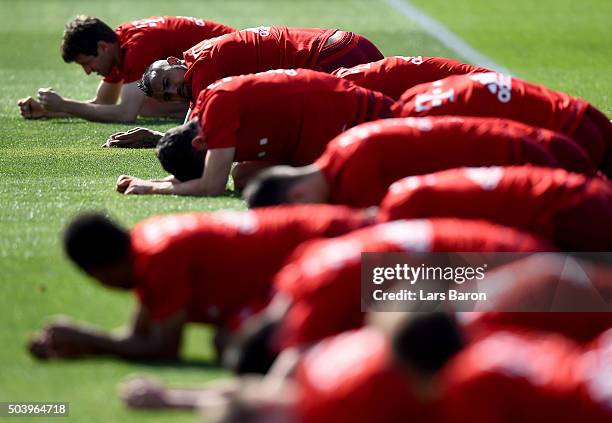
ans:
(144, 41)
(392, 76)
(352, 378)
(283, 116)
(494, 94)
(322, 279)
(572, 209)
(361, 163)
(517, 291)
(519, 378)
(253, 50)
(216, 265)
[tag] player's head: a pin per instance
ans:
(251, 350)
(101, 248)
(164, 80)
(91, 43)
(424, 342)
(181, 151)
(287, 185)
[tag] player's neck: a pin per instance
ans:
(116, 52)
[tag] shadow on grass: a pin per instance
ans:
(186, 364)
(232, 193)
(143, 121)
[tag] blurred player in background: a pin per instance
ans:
(120, 57)
(417, 367)
(204, 268)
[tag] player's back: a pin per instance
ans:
(494, 94)
(554, 203)
(352, 378)
(228, 258)
(253, 50)
(392, 76)
(392, 149)
(286, 116)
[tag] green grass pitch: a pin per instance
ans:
(52, 169)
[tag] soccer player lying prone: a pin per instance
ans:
(358, 166)
(497, 95)
(250, 51)
(274, 117)
(318, 289)
(167, 262)
(120, 56)
(572, 210)
(409, 367)
(392, 76)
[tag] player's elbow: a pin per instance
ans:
(159, 350)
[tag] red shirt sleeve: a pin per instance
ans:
(164, 288)
(218, 112)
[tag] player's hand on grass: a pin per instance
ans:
(31, 109)
(123, 182)
(50, 100)
(61, 339)
(127, 184)
(134, 138)
(143, 393)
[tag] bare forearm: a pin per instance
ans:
(194, 187)
(152, 108)
(127, 346)
(50, 114)
(97, 112)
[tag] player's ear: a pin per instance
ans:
(103, 46)
(199, 142)
(173, 61)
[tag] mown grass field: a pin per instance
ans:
(52, 169)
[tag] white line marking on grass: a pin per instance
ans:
(444, 35)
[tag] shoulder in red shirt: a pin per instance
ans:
(253, 50)
(144, 41)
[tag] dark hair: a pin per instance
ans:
(251, 350)
(176, 154)
(145, 81)
(93, 241)
(81, 36)
(426, 341)
(270, 187)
